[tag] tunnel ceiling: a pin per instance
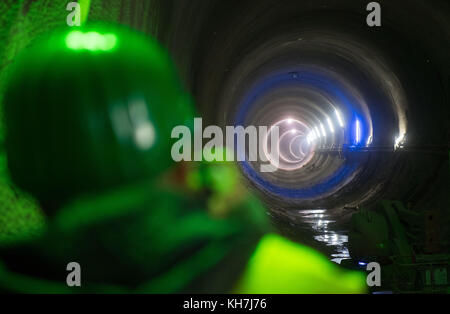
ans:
(317, 70)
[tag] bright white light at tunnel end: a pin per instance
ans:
(295, 128)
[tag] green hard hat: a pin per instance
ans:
(91, 108)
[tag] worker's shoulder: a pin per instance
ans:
(134, 200)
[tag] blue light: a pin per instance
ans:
(315, 81)
(362, 264)
(357, 132)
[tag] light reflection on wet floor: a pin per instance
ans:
(319, 222)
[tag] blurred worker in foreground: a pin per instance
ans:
(89, 114)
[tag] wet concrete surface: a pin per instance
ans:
(323, 229)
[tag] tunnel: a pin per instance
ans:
(363, 112)
(366, 107)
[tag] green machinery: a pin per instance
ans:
(408, 246)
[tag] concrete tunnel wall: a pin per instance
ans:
(209, 38)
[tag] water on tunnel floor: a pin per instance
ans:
(319, 228)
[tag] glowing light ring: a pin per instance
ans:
(314, 80)
(299, 163)
(300, 147)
